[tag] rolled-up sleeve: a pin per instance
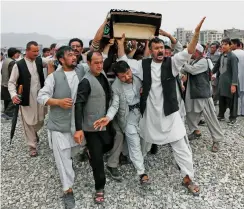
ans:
(12, 83)
(47, 91)
(178, 60)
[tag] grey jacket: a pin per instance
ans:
(95, 105)
(59, 119)
(119, 104)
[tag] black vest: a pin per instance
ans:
(25, 78)
(200, 84)
(168, 83)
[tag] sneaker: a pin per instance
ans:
(154, 149)
(69, 200)
(231, 122)
(114, 173)
(123, 160)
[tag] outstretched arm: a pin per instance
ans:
(192, 45)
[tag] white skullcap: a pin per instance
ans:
(59, 45)
(199, 47)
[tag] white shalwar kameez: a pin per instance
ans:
(63, 144)
(157, 128)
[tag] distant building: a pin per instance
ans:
(234, 33)
(209, 36)
(183, 36)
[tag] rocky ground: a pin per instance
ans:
(34, 182)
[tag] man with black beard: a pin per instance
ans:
(59, 93)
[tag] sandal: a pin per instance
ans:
(99, 196)
(192, 188)
(144, 179)
(215, 147)
(33, 152)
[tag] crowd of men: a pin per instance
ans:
(123, 98)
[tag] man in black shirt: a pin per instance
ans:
(93, 96)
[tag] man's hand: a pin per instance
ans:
(16, 99)
(65, 103)
(111, 42)
(101, 123)
(163, 33)
(121, 41)
(198, 28)
(233, 89)
(134, 44)
(79, 136)
(184, 78)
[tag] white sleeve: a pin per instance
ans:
(12, 83)
(178, 60)
(46, 92)
(197, 68)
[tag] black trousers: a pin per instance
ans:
(98, 143)
(231, 103)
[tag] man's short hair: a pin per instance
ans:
(45, 50)
(215, 44)
(90, 54)
(236, 41)
(167, 47)
(120, 67)
(11, 52)
(155, 40)
(226, 41)
(61, 51)
(76, 39)
(53, 46)
(29, 44)
(90, 42)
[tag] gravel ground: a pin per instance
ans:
(34, 182)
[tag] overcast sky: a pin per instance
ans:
(65, 19)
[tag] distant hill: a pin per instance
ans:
(21, 39)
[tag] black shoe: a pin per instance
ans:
(232, 122)
(154, 149)
(114, 173)
(220, 118)
(69, 200)
(201, 123)
(123, 160)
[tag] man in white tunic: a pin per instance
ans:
(161, 122)
(60, 93)
(236, 47)
(29, 73)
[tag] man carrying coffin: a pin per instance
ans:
(161, 122)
